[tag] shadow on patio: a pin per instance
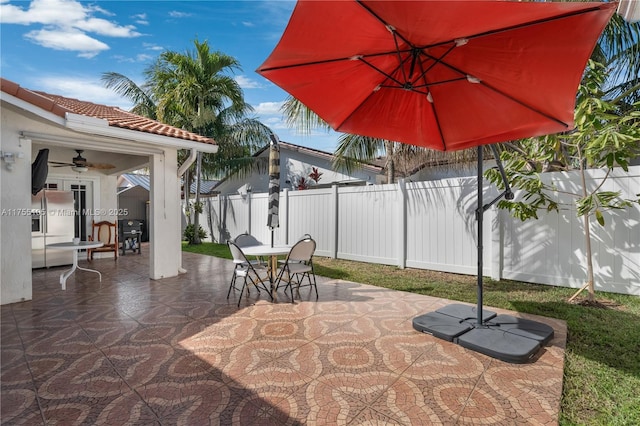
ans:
(175, 351)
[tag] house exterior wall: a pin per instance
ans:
(15, 222)
(293, 165)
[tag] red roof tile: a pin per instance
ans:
(59, 105)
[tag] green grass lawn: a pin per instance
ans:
(602, 359)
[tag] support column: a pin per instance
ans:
(165, 256)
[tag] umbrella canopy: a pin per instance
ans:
(274, 184)
(446, 75)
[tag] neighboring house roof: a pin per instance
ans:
(317, 153)
(296, 163)
(116, 117)
(131, 180)
(206, 187)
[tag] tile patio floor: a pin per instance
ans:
(175, 351)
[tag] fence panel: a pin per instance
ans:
(432, 225)
(312, 212)
(552, 250)
(441, 225)
(367, 223)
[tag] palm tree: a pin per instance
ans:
(195, 91)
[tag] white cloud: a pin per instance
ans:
(141, 19)
(143, 57)
(104, 27)
(248, 24)
(151, 46)
(178, 14)
(67, 25)
(247, 83)
(85, 89)
(68, 40)
(269, 108)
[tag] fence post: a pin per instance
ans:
(497, 243)
(220, 220)
(334, 235)
(249, 202)
(284, 214)
(402, 224)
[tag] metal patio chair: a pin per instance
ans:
(297, 266)
(248, 240)
(247, 271)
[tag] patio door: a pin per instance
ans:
(83, 203)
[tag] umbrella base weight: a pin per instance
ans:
(507, 338)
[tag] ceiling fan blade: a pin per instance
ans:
(60, 164)
(100, 166)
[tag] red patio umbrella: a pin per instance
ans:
(446, 75)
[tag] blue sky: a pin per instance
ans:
(64, 46)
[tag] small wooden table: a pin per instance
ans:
(75, 247)
(272, 253)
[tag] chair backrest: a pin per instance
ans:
(237, 253)
(246, 240)
(104, 231)
(302, 251)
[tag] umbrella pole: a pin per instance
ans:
(479, 217)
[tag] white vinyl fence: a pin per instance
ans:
(431, 225)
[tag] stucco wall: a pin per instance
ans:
(15, 224)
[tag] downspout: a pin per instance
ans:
(188, 162)
(183, 168)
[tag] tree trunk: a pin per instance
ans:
(587, 232)
(391, 167)
(196, 210)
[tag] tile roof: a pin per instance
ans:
(116, 117)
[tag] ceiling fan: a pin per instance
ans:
(80, 164)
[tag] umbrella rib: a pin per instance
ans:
(536, 22)
(328, 61)
(513, 27)
(524, 104)
(386, 24)
(388, 76)
(436, 61)
(506, 95)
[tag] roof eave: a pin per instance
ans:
(98, 126)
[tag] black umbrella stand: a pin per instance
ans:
(504, 337)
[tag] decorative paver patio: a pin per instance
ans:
(175, 351)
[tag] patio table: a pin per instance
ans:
(272, 253)
(75, 247)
